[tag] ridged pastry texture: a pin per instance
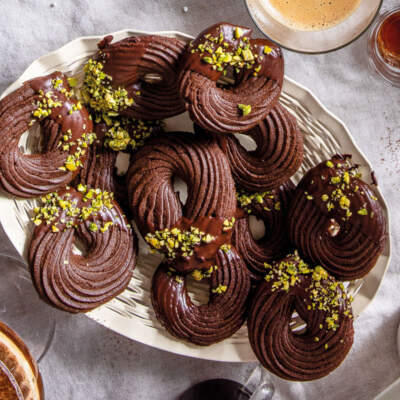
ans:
(271, 208)
(278, 155)
(131, 62)
(256, 66)
(208, 323)
(98, 170)
(200, 163)
(79, 283)
(157, 208)
(335, 219)
(67, 130)
(291, 285)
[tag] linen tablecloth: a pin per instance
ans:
(86, 361)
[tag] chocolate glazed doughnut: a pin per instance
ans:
(270, 207)
(290, 285)
(127, 64)
(336, 220)
(79, 283)
(189, 234)
(47, 99)
(278, 155)
(208, 323)
(257, 68)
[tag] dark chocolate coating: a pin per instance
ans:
(208, 323)
(200, 163)
(78, 283)
(30, 175)
(347, 247)
(130, 60)
(288, 354)
(278, 155)
(98, 170)
(215, 108)
(275, 242)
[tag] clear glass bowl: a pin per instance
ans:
(314, 42)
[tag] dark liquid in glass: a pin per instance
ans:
(216, 389)
(389, 39)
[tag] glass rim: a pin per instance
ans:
(316, 52)
(387, 72)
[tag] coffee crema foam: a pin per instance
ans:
(311, 15)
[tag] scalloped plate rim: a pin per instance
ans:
(223, 351)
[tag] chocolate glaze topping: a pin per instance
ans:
(79, 283)
(208, 323)
(65, 123)
(98, 170)
(257, 68)
(278, 155)
(291, 285)
(200, 163)
(336, 220)
(130, 60)
(270, 207)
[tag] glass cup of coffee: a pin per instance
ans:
(311, 26)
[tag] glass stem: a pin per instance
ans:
(260, 384)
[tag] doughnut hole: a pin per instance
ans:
(122, 163)
(31, 141)
(227, 81)
(181, 188)
(297, 324)
(80, 247)
(246, 141)
(153, 79)
(198, 291)
(257, 227)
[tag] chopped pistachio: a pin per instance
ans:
(245, 109)
(267, 49)
(330, 164)
(175, 242)
(220, 289)
(73, 82)
(238, 32)
(98, 92)
(225, 248)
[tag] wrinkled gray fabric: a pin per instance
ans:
(87, 361)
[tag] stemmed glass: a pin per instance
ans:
(22, 309)
(258, 386)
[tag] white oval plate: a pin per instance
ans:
(131, 313)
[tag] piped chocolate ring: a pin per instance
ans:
(122, 69)
(189, 234)
(67, 129)
(278, 155)
(336, 220)
(300, 355)
(208, 323)
(73, 282)
(271, 208)
(256, 66)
